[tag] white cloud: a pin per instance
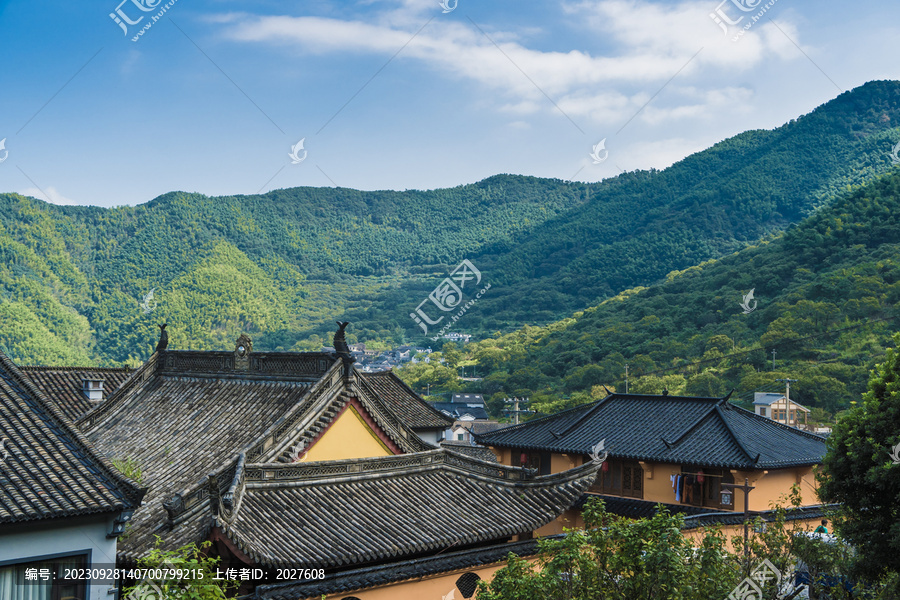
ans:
(649, 43)
(52, 195)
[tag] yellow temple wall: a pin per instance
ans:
(348, 437)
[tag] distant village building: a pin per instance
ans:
(464, 407)
(467, 430)
(778, 408)
(62, 505)
(458, 337)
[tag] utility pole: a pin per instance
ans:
(515, 410)
(787, 397)
(626, 378)
(773, 359)
(746, 487)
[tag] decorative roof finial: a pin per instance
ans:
(339, 341)
(163, 342)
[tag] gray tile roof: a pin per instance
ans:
(367, 577)
(342, 513)
(405, 403)
(183, 415)
(470, 449)
(671, 429)
(62, 385)
(47, 468)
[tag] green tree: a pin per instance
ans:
(191, 575)
(859, 472)
(616, 558)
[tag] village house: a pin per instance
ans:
(778, 408)
(62, 504)
(674, 450)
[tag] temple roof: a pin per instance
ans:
(367, 577)
(63, 385)
(669, 429)
(405, 403)
(352, 512)
(47, 468)
(186, 414)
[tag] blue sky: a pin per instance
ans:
(398, 94)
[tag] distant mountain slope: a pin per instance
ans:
(826, 299)
(639, 226)
(74, 278)
(283, 266)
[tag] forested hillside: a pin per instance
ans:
(827, 300)
(283, 266)
(73, 279)
(639, 226)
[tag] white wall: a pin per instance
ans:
(30, 542)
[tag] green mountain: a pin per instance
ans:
(639, 226)
(826, 299)
(76, 282)
(74, 279)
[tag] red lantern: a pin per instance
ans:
(605, 467)
(700, 476)
(523, 460)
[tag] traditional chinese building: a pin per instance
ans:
(76, 390)
(62, 504)
(675, 450)
(289, 460)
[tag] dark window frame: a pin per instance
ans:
(83, 588)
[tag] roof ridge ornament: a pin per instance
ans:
(163, 342)
(339, 341)
(242, 349)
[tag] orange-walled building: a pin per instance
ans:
(674, 450)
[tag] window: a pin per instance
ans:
(467, 584)
(703, 487)
(460, 437)
(762, 410)
(533, 460)
(42, 580)
(621, 479)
